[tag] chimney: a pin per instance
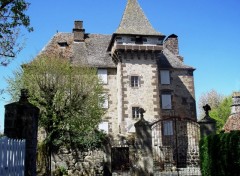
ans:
(171, 43)
(235, 108)
(78, 31)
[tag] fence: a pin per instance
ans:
(12, 157)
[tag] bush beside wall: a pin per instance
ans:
(220, 154)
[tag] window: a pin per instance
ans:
(135, 112)
(134, 81)
(102, 75)
(63, 44)
(166, 101)
(103, 126)
(103, 101)
(119, 40)
(167, 128)
(139, 40)
(165, 76)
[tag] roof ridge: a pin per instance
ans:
(134, 21)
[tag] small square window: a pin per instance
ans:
(135, 112)
(134, 81)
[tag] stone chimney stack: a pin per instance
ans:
(171, 43)
(236, 103)
(78, 31)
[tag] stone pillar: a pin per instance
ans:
(21, 122)
(144, 165)
(120, 96)
(235, 108)
(207, 124)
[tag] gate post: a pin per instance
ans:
(21, 122)
(207, 124)
(144, 147)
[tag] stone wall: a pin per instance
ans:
(79, 163)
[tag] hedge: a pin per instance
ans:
(220, 154)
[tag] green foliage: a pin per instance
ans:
(220, 154)
(68, 98)
(60, 171)
(12, 18)
(220, 107)
(222, 112)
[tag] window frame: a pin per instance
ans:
(105, 103)
(135, 112)
(165, 77)
(103, 75)
(167, 128)
(168, 96)
(135, 83)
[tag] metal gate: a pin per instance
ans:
(175, 147)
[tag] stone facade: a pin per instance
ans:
(79, 163)
(143, 70)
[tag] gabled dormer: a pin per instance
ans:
(135, 32)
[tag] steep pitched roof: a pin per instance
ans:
(135, 22)
(91, 52)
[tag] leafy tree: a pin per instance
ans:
(222, 112)
(12, 17)
(69, 101)
(220, 107)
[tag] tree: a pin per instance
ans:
(220, 107)
(222, 112)
(69, 101)
(12, 17)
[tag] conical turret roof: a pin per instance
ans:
(135, 22)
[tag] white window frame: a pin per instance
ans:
(168, 128)
(166, 101)
(102, 75)
(104, 126)
(135, 81)
(165, 76)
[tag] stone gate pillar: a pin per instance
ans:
(207, 124)
(144, 147)
(21, 122)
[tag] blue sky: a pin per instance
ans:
(208, 32)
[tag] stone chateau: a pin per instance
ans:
(139, 68)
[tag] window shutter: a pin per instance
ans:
(102, 75)
(165, 76)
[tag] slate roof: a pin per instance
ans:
(91, 52)
(168, 60)
(135, 22)
(233, 123)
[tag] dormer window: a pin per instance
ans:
(160, 41)
(139, 40)
(119, 40)
(63, 44)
